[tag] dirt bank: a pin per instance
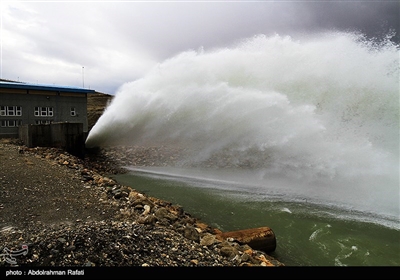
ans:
(67, 213)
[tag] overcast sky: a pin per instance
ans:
(103, 44)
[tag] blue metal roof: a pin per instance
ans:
(17, 85)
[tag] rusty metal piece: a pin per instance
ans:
(262, 238)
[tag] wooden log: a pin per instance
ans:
(262, 238)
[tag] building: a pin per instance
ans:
(25, 103)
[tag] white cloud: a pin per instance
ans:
(117, 42)
(51, 42)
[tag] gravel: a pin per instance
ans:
(62, 211)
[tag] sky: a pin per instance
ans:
(101, 45)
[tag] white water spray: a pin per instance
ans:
(321, 111)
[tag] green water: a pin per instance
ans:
(307, 235)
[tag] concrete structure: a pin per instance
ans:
(67, 136)
(29, 104)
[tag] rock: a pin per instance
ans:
(191, 233)
(229, 251)
(139, 233)
(146, 210)
(163, 213)
(208, 239)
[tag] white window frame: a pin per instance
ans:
(10, 111)
(10, 123)
(73, 112)
(43, 121)
(43, 111)
(18, 111)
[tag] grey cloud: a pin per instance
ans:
(168, 28)
(138, 34)
(373, 18)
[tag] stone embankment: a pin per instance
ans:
(88, 219)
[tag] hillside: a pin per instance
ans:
(96, 103)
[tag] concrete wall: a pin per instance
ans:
(67, 136)
(35, 135)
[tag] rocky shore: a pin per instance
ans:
(62, 211)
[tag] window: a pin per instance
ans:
(73, 112)
(43, 111)
(43, 121)
(11, 123)
(10, 111)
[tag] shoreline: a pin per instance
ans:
(143, 231)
